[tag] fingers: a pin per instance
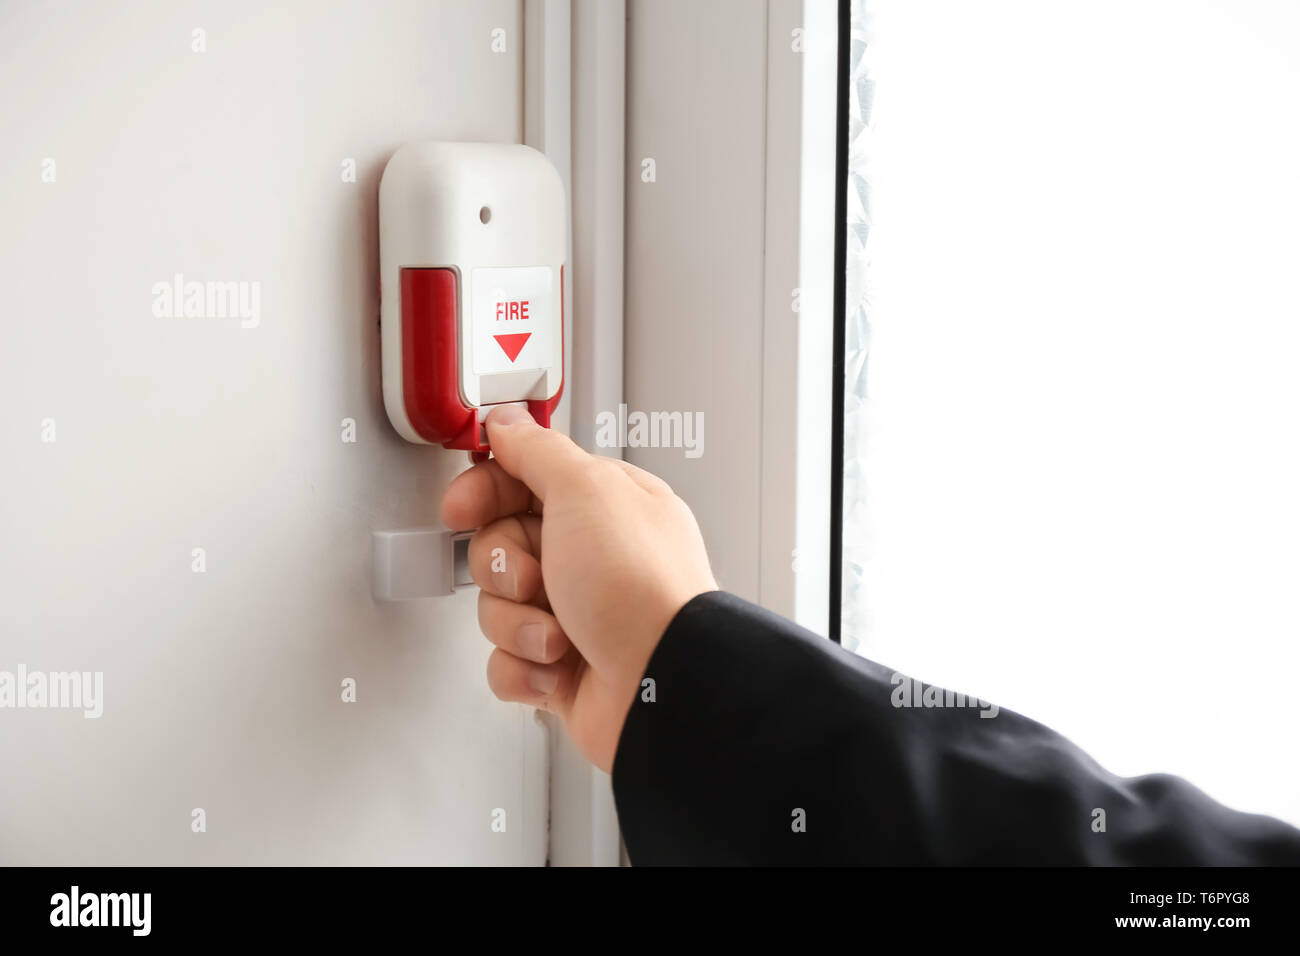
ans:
(539, 457)
(491, 490)
(481, 495)
(521, 629)
(503, 559)
(549, 686)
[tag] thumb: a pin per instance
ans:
(539, 457)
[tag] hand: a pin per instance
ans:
(582, 563)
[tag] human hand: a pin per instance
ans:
(582, 562)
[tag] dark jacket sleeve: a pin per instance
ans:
(753, 741)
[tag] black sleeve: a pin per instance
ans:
(753, 741)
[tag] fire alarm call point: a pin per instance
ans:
(471, 255)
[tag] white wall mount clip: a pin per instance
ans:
(410, 563)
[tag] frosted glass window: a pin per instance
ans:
(1073, 409)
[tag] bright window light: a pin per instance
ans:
(1074, 454)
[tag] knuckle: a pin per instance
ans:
(493, 679)
(485, 613)
(477, 544)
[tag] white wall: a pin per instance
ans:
(222, 689)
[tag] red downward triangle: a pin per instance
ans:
(512, 344)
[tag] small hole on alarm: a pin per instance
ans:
(484, 215)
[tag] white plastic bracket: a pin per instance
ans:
(409, 563)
